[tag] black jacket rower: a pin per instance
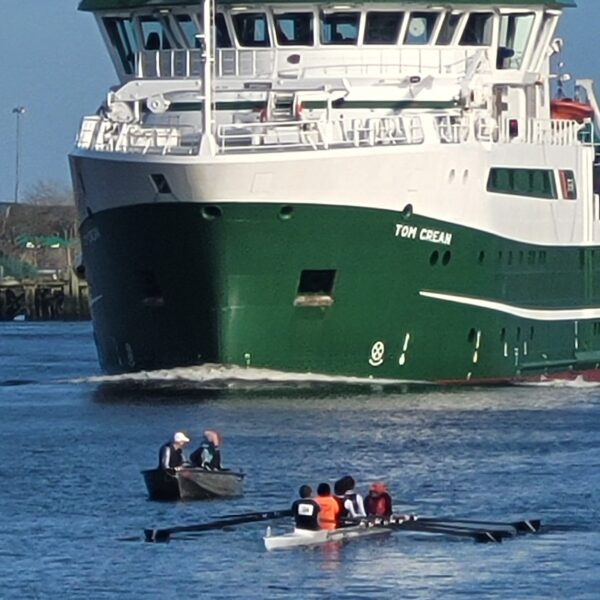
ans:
(305, 510)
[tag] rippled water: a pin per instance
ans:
(73, 444)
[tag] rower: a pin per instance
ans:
(378, 502)
(330, 509)
(353, 504)
(170, 455)
(208, 455)
(305, 510)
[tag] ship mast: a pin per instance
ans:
(208, 145)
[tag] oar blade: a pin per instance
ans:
(528, 526)
(157, 535)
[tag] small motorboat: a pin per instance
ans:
(305, 537)
(193, 483)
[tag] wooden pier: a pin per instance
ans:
(44, 299)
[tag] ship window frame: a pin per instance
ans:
(489, 35)
(165, 36)
(195, 19)
(343, 41)
(406, 33)
(276, 14)
(237, 16)
(513, 181)
(462, 16)
(227, 29)
(401, 13)
(527, 46)
(123, 44)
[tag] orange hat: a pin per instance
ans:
(378, 487)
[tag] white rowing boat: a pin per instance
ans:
(306, 537)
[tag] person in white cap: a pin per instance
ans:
(170, 455)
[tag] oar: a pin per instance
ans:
(526, 526)
(162, 535)
(481, 535)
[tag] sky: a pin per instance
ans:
(55, 65)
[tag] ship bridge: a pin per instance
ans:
(318, 75)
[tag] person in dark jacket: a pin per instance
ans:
(170, 455)
(378, 502)
(208, 455)
(305, 510)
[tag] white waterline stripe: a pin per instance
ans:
(537, 314)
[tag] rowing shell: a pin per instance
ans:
(306, 537)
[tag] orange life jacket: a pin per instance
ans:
(329, 513)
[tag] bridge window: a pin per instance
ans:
(478, 30)
(420, 28)
(251, 29)
(448, 29)
(340, 28)
(294, 29)
(383, 27)
(514, 35)
(223, 38)
(121, 34)
(154, 35)
(188, 30)
(536, 183)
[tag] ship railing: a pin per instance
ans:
(554, 132)
(103, 135)
(452, 129)
(268, 62)
(320, 134)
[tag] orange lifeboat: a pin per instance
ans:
(572, 110)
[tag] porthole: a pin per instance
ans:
(481, 257)
(433, 259)
(465, 177)
(518, 334)
(503, 334)
(471, 336)
(446, 257)
(211, 212)
(451, 176)
(286, 212)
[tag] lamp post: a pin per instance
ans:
(18, 111)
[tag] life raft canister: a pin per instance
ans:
(572, 110)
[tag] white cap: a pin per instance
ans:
(180, 438)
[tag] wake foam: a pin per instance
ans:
(227, 377)
(578, 382)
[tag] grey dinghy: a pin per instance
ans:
(193, 484)
(306, 537)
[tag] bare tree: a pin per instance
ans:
(49, 193)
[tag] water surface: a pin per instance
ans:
(73, 444)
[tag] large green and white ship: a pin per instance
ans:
(378, 189)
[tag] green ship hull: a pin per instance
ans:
(335, 290)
